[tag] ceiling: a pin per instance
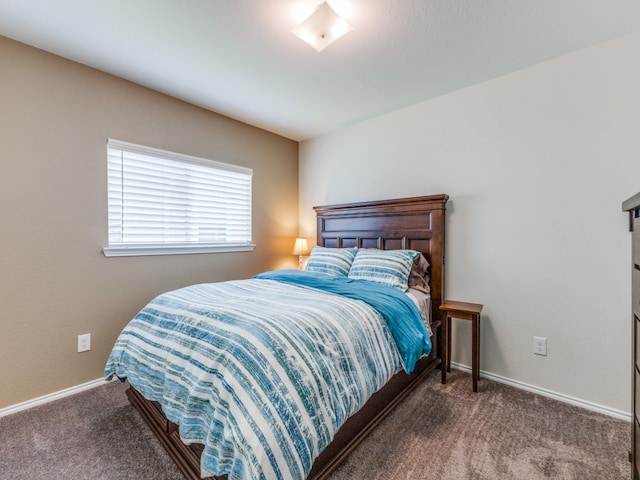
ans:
(239, 58)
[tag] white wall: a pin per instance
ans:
(536, 164)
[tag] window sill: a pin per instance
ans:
(139, 250)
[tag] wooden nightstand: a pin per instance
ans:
(463, 311)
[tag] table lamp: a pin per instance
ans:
(300, 248)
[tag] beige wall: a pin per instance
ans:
(537, 164)
(55, 283)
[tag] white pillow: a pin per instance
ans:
(331, 261)
(389, 267)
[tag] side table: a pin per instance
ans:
(463, 311)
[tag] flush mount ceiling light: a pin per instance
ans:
(323, 27)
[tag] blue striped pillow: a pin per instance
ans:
(331, 261)
(389, 267)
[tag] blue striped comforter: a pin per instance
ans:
(262, 372)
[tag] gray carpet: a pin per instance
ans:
(441, 432)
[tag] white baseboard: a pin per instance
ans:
(611, 412)
(51, 397)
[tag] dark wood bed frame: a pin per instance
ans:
(417, 223)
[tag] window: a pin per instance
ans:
(167, 203)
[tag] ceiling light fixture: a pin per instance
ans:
(323, 27)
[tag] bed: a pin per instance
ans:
(408, 224)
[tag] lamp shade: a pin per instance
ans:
(323, 27)
(300, 247)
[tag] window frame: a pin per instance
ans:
(174, 248)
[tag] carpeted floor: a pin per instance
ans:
(447, 432)
(441, 432)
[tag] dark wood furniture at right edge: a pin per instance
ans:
(463, 311)
(632, 205)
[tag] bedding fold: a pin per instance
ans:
(401, 314)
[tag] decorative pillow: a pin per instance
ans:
(419, 276)
(389, 267)
(331, 261)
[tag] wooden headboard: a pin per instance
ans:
(416, 223)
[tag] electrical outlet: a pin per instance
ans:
(540, 346)
(84, 342)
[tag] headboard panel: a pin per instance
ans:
(416, 223)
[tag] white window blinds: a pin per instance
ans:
(162, 202)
